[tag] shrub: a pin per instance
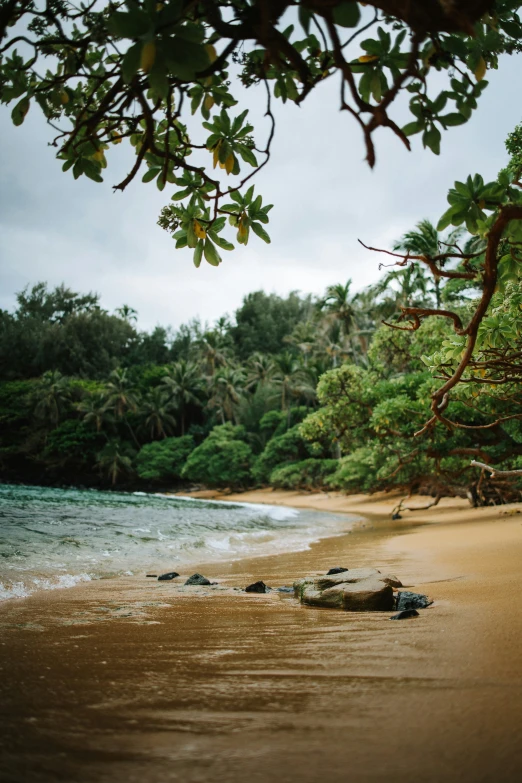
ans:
(222, 460)
(307, 474)
(289, 447)
(163, 459)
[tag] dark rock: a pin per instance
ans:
(257, 587)
(407, 600)
(152, 576)
(405, 614)
(336, 571)
(285, 589)
(396, 516)
(197, 579)
(168, 577)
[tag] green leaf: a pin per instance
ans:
(220, 242)
(258, 229)
(346, 14)
(247, 155)
(185, 58)
(446, 219)
(412, 127)
(211, 254)
(431, 139)
(376, 86)
(92, 170)
(449, 120)
(305, 17)
(181, 194)
(198, 253)
(131, 62)
(158, 79)
(150, 175)
(20, 110)
(129, 25)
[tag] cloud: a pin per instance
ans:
(325, 196)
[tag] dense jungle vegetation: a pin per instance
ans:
(295, 392)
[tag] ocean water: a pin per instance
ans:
(54, 538)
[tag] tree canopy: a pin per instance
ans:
(161, 76)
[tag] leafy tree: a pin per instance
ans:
(261, 370)
(292, 380)
(156, 414)
(289, 447)
(94, 410)
(130, 73)
(423, 240)
(71, 446)
(307, 474)
(264, 321)
(164, 460)
(127, 313)
(53, 306)
(122, 398)
(214, 349)
(337, 305)
(226, 387)
(223, 459)
(115, 459)
(52, 397)
(184, 384)
(61, 330)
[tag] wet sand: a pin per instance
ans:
(133, 680)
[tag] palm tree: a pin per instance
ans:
(128, 313)
(122, 398)
(51, 397)
(423, 240)
(94, 409)
(293, 380)
(214, 351)
(413, 287)
(155, 409)
(333, 344)
(226, 388)
(260, 370)
(337, 306)
(304, 338)
(115, 458)
(184, 385)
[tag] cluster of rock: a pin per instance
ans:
(359, 590)
(354, 590)
(195, 579)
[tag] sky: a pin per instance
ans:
(82, 234)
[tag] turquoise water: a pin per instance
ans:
(52, 538)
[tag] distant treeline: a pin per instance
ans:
(293, 392)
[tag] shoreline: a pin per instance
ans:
(132, 682)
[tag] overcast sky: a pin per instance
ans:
(80, 233)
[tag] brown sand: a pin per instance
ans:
(129, 681)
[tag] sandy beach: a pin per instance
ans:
(126, 680)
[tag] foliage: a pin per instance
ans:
(264, 320)
(163, 460)
(116, 459)
(289, 447)
(223, 459)
(307, 474)
(73, 442)
(131, 72)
